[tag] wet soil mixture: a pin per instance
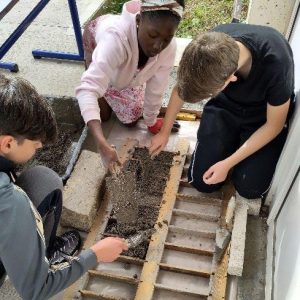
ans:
(136, 194)
(55, 156)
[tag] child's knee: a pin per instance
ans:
(205, 188)
(249, 188)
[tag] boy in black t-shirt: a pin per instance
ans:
(248, 72)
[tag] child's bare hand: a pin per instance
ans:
(158, 143)
(216, 173)
(109, 249)
(109, 155)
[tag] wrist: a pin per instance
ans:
(229, 162)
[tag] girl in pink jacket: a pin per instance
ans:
(129, 59)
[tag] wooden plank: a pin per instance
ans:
(201, 273)
(151, 267)
(121, 278)
(228, 191)
(219, 279)
(172, 246)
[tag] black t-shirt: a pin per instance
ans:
(271, 78)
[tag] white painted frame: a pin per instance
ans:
(288, 165)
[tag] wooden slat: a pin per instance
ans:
(202, 233)
(201, 273)
(94, 295)
(121, 278)
(151, 267)
(219, 279)
(131, 260)
(172, 246)
(191, 293)
(196, 215)
(199, 199)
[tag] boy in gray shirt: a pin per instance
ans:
(38, 263)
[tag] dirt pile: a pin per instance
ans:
(55, 156)
(136, 194)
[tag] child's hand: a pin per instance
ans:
(158, 143)
(109, 249)
(109, 155)
(217, 173)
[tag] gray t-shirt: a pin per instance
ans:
(22, 248)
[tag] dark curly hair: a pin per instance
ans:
(24, 114)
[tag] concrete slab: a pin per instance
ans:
(253, 280)
(274, 13)
(254, 205)
(8, 292)
(222, 241)
(81, 193)
(236, 259)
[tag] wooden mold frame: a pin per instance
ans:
(146, 283)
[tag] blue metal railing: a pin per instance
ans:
(43, 53)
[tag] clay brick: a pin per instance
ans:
(82, 192)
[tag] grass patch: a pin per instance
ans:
(203, 15)
(199, 15)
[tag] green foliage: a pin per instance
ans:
(203, 15)
(199, 15)
(112, 7)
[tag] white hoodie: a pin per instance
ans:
(115, 61)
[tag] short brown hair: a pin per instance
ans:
(205, 65)
(24, 113)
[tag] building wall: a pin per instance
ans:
(275, 13)
(283, 250)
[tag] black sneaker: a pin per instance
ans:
(64, 246)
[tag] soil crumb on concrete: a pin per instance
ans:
(55, 156)
(136, 194)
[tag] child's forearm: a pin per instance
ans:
(276, 118)
(97, 132)
(174, 107)
(257, 140)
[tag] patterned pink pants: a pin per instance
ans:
(127, 103)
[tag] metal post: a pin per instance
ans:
(77, 29)
(237, 11)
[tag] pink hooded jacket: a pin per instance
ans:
(115, 61)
